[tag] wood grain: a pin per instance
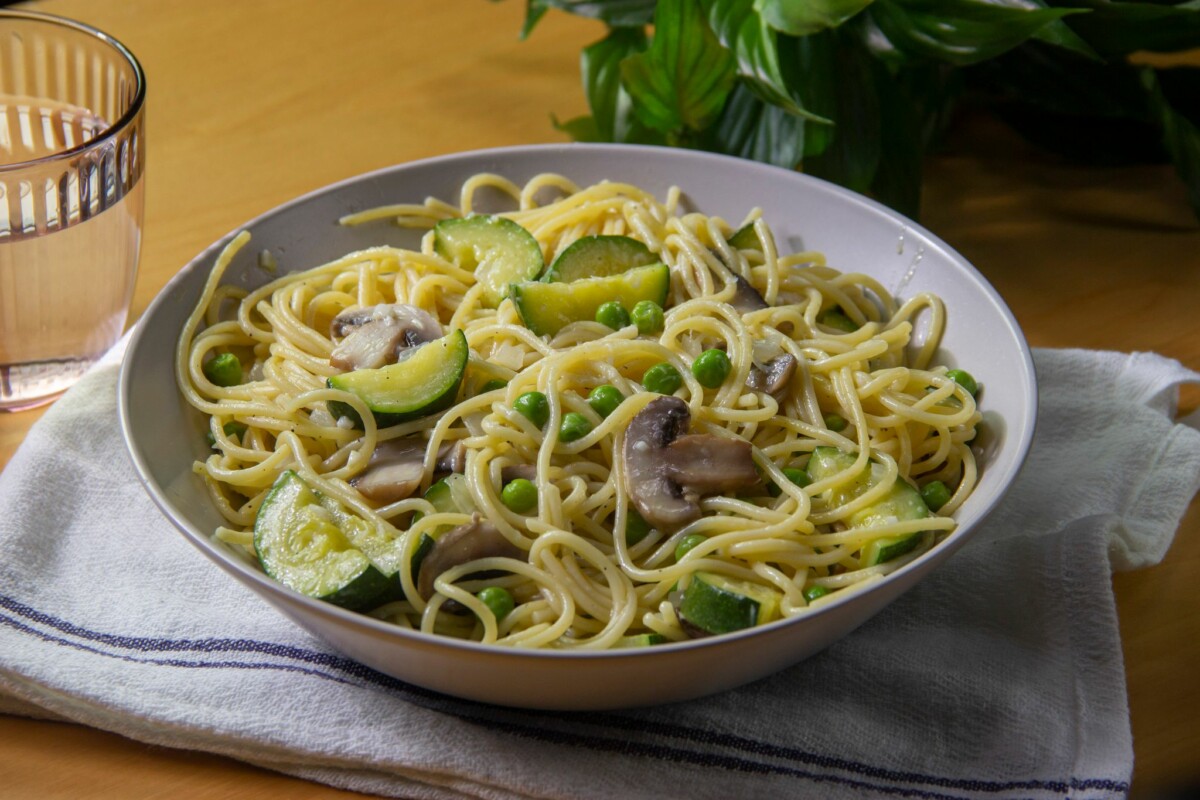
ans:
(251, 104)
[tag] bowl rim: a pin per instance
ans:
(1019, 438)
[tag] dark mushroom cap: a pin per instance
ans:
(393, 472)
(469, 542)
(746, 298)
(666, 473)
(704, 464)
(451, 457)
(397, 467)
(657, 498)
(773, 377)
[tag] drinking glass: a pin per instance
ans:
(72, 153)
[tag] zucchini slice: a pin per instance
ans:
(305, 541)
(597, 257)
(451, 494)
(720, 604)
(499, 251)
(745, 238)
(901, 502)
(546, 308)
(425, 382)
(640, 640)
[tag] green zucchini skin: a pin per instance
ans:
(499, 251)
(641, 640)
(302, 542)
(598, 257)
(901, 502)
(546, 308)
(422, 384)
(745, 238)
(719, 604)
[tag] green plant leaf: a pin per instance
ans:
(852, 156)
(1117, 29)
(809, 64)
(1057, 33)
(614, 13)
(959, 32)
(913, 104)
(680, 83)
(580, 129)
(740, 28)
(600, 65)
(802, 17)
(1181, 137)
(751, 128)
(534, 11)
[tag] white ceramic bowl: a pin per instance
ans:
(164, 433)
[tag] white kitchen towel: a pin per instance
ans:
(999, 676)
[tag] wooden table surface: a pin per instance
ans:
(253, 103)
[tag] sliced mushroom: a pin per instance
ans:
(746, 298)
(475, 540)
(374, 336)
(705, 464)
(393, 472)
(451, 457)
(397, 466)
(511, 472)
(773, 377)
(663, 481)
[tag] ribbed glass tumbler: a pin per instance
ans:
(72, 153)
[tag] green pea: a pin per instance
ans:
(636, 528)
(813, 592)
(605, 399)
(796, 476)
(498, 600)
(223, 370)
(662, 378)
(492, 385)
(964, 379)
(520, 495)
(935, 494)
(687, 544)
(534, 407)
(835, 422)
(648, 316)
(612, 314)
(574, 426)
(711, 368)
(836, 318)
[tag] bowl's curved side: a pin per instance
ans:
(163, 433)
(563, 681)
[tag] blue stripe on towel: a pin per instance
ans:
(502, 718)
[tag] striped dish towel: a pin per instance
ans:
(999, 676)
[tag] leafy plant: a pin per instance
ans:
(857, 91)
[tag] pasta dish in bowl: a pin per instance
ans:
(539, 416)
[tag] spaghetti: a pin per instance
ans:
(582, 567)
